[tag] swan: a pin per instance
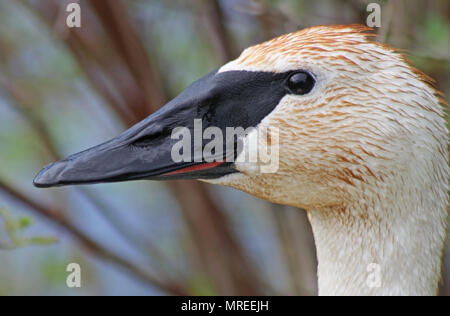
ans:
(362, 146)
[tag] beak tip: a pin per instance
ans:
(49, 176)
(39, 183)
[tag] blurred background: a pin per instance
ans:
(63, 90)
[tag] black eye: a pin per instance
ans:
(300, 83)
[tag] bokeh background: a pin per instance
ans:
(63, 90)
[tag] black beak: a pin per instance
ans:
(221, 100)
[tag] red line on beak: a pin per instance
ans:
(203, 166)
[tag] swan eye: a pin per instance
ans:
(300, 83)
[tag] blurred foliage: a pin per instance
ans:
(15, 229)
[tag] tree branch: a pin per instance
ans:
(214, 20)
(55, 216)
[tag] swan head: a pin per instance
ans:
(369, 124)
(335, 113)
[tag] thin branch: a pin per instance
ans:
(38, 127)
(214, 20)
(288, 244)
(162, 264)
(55, 216)
(386, 22)
(99, 84)
(129, 46)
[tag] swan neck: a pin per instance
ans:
(380, 250)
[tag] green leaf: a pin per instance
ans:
(42, 241)
(14, 229)
(24, 222)
(9, 222)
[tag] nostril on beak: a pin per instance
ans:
(151, 139)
